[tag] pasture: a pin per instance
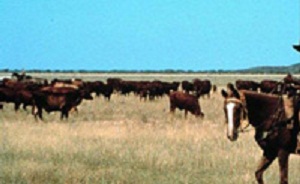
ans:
(131, 141)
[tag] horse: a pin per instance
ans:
(275, 119)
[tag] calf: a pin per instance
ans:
(185, 101)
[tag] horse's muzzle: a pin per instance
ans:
(232, 137)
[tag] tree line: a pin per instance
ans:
(255, 70)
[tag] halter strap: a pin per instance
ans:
(244, 111)
(235, 100)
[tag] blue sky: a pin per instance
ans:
(148, 35)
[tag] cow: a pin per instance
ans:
(187, 86)
(8, 95)
(106, 90)
(185, 101)
(18, 93)
(72, 83)
(271, 86)
(24, 97)
(57, 99)
(100, 88)
(247, 85)
(202, 87)
(155, 88)
(114, 82)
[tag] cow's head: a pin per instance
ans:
(198, 113)
(85, 94)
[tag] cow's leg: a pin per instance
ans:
(24, 107)
(185, 113)
(172, 108)
(67, 114)
(62, 115)
(39, 113)
(265, 162)
(283, 160)
(17, 106)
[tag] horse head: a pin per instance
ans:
(234, 111)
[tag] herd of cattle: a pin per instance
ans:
(66, 94)
(63, 95)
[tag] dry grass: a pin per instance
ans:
(129, 141)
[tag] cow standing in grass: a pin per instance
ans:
(58, 99)
(185, 101)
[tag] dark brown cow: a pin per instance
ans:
(202, 87)
(156, 88)
(18, 92)
(100, 88)
(187, 86)
(106, 90)
(115, 83)
(127, 87)
(276, 123)
(185, 101)
(271, 86)
(24, 97)
(58, 99)
(8, 95)
(247, 85)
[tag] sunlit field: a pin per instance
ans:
(126, 140)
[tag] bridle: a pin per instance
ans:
(244, 110)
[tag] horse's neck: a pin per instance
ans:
(262, 109)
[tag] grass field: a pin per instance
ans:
(131, 141)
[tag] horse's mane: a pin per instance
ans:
(262, 108)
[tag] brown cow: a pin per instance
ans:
(58, 99)
(271, 86)
(8, 95)
(115, 83)
(247, 85)
(18, 93)
(185, 101)
(202, 87)
(187, 86)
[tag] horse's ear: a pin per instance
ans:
(230, 87)
(236, 94)
(224, 93)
